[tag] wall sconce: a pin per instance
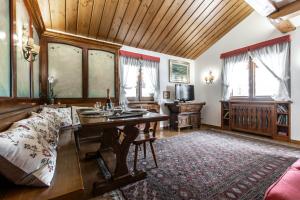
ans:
(30, 50)
(209, 79)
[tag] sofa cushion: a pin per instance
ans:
(41, 125)
(53, 116)
(296, 164)
(66, 119)
(286, 187)
(24, 159)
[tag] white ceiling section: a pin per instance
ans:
(283, 14)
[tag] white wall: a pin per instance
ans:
(165, 85)
(253, 29)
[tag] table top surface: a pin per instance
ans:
(101, 121)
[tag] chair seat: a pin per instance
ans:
(144, 137)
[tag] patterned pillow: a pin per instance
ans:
(43, 128)
(65, 116)
(24, 159)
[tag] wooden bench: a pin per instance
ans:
(67, 182)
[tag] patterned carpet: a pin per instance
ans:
(208, 165)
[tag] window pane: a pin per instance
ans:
(5, 49)
(36, 69)
(101, 73)
(65, 65)
(23, 66)
(240, 79)
(149, 75)
(265, 83)
(131, 74)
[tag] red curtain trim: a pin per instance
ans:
(286, 38)
(139, 56)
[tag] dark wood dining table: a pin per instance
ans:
(114, 147)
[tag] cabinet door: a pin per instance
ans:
(183, 120)
(194, 119)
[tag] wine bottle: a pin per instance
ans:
(108, 100)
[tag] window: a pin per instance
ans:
(259, 73)
(139, 79)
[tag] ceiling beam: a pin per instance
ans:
(286, 10)
(36, 15)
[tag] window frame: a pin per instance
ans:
(139, 91)
(252, 85)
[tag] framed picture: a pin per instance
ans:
(166, 95)
(179, 71)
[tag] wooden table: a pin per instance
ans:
(114, 147)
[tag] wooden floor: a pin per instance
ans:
(91, 173)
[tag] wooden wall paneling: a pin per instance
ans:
(36, 16)
(186, 26)
(131, 10)
(58, 14)
(205, 12)
(162, 24)
(204, 34)
(118, 18)
(169, 32)
(71, 15)
(96, 18)
(45, 11)
(212, 20)
(216, 36)
(85, 73)
(85, 9)
(151, 13)
(85, 44)
(163, 32)
(13, 48)
(108, 13)
(137, 21)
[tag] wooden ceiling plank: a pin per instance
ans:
(127, 20)
(286, 10)
(198, 23)
(163, 23)
(58, 14)
(154, 8)
(96, 18)
(192, 20)
(218, 37)
(215, 29)
(222, 11)
(227, 24)
(159, 15)
(71, 16)
(164, 39)
(45, 10)
(85, 9)
(120, 12)
(141, 13)
(158, 37)
(108, 16)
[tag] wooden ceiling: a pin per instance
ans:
(184, 28)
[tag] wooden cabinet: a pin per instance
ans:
(269, 118)
(184, 115)
(149, 105)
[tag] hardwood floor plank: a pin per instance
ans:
(85, 8)
(108, 16)
(96, 18)
(137, 21)
(71, 16)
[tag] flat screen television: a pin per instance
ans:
(184, 92)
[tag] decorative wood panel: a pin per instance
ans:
(183, 28)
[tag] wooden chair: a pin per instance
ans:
(146, 135)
